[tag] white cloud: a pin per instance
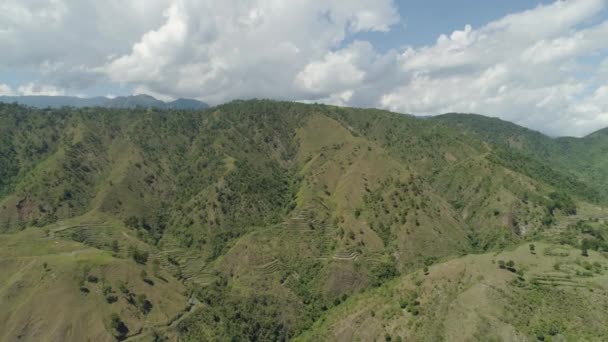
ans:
(250, 48)
(65, 39)
(31, 89)
(337, 71)
(149, 57)
(6, 90)
(591, 113)
(570, 45)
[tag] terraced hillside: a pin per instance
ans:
(473, 298)
(255, 219)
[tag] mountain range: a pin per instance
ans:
(263, 220)
(133, 101)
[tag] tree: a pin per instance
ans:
(144, 305)
(144, 276)
(122, 287)
(115, 247)
(140, 257)
(132, 222)
(107, 289)
(119, 327)
(357, 212)
(585, 247)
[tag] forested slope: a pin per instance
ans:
(258, 217)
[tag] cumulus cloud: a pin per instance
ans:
(32, 89)
(6, 90)
(337, 71)
(35, 31)
(544, 68)
(253, 48)
(526, 67)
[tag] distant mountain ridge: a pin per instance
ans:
(133, 101)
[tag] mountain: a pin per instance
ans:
(264, 220)
(581, 157)
(184, 104)
(117, 102)
(145, 101)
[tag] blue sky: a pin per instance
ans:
(542, 64)
(423, 21)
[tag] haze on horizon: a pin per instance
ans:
(540, 64)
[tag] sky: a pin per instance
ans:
(540, 64)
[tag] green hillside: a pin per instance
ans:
(265, 220)
(575, 160)
(543, 297)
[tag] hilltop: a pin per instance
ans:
(265, 220)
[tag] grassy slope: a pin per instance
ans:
(472, 299)
(41, 284)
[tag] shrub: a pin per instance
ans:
(357, 213)
(122, 287)
(144, 305)
(585, 247)
(562, 202)
(107, 289)
(140, 257)
(119, 327)
(115, 247)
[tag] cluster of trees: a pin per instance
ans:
(410, 303)
(563, 202)
(139, 256)
(119, 327)
(509, 265)
(230, 315)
